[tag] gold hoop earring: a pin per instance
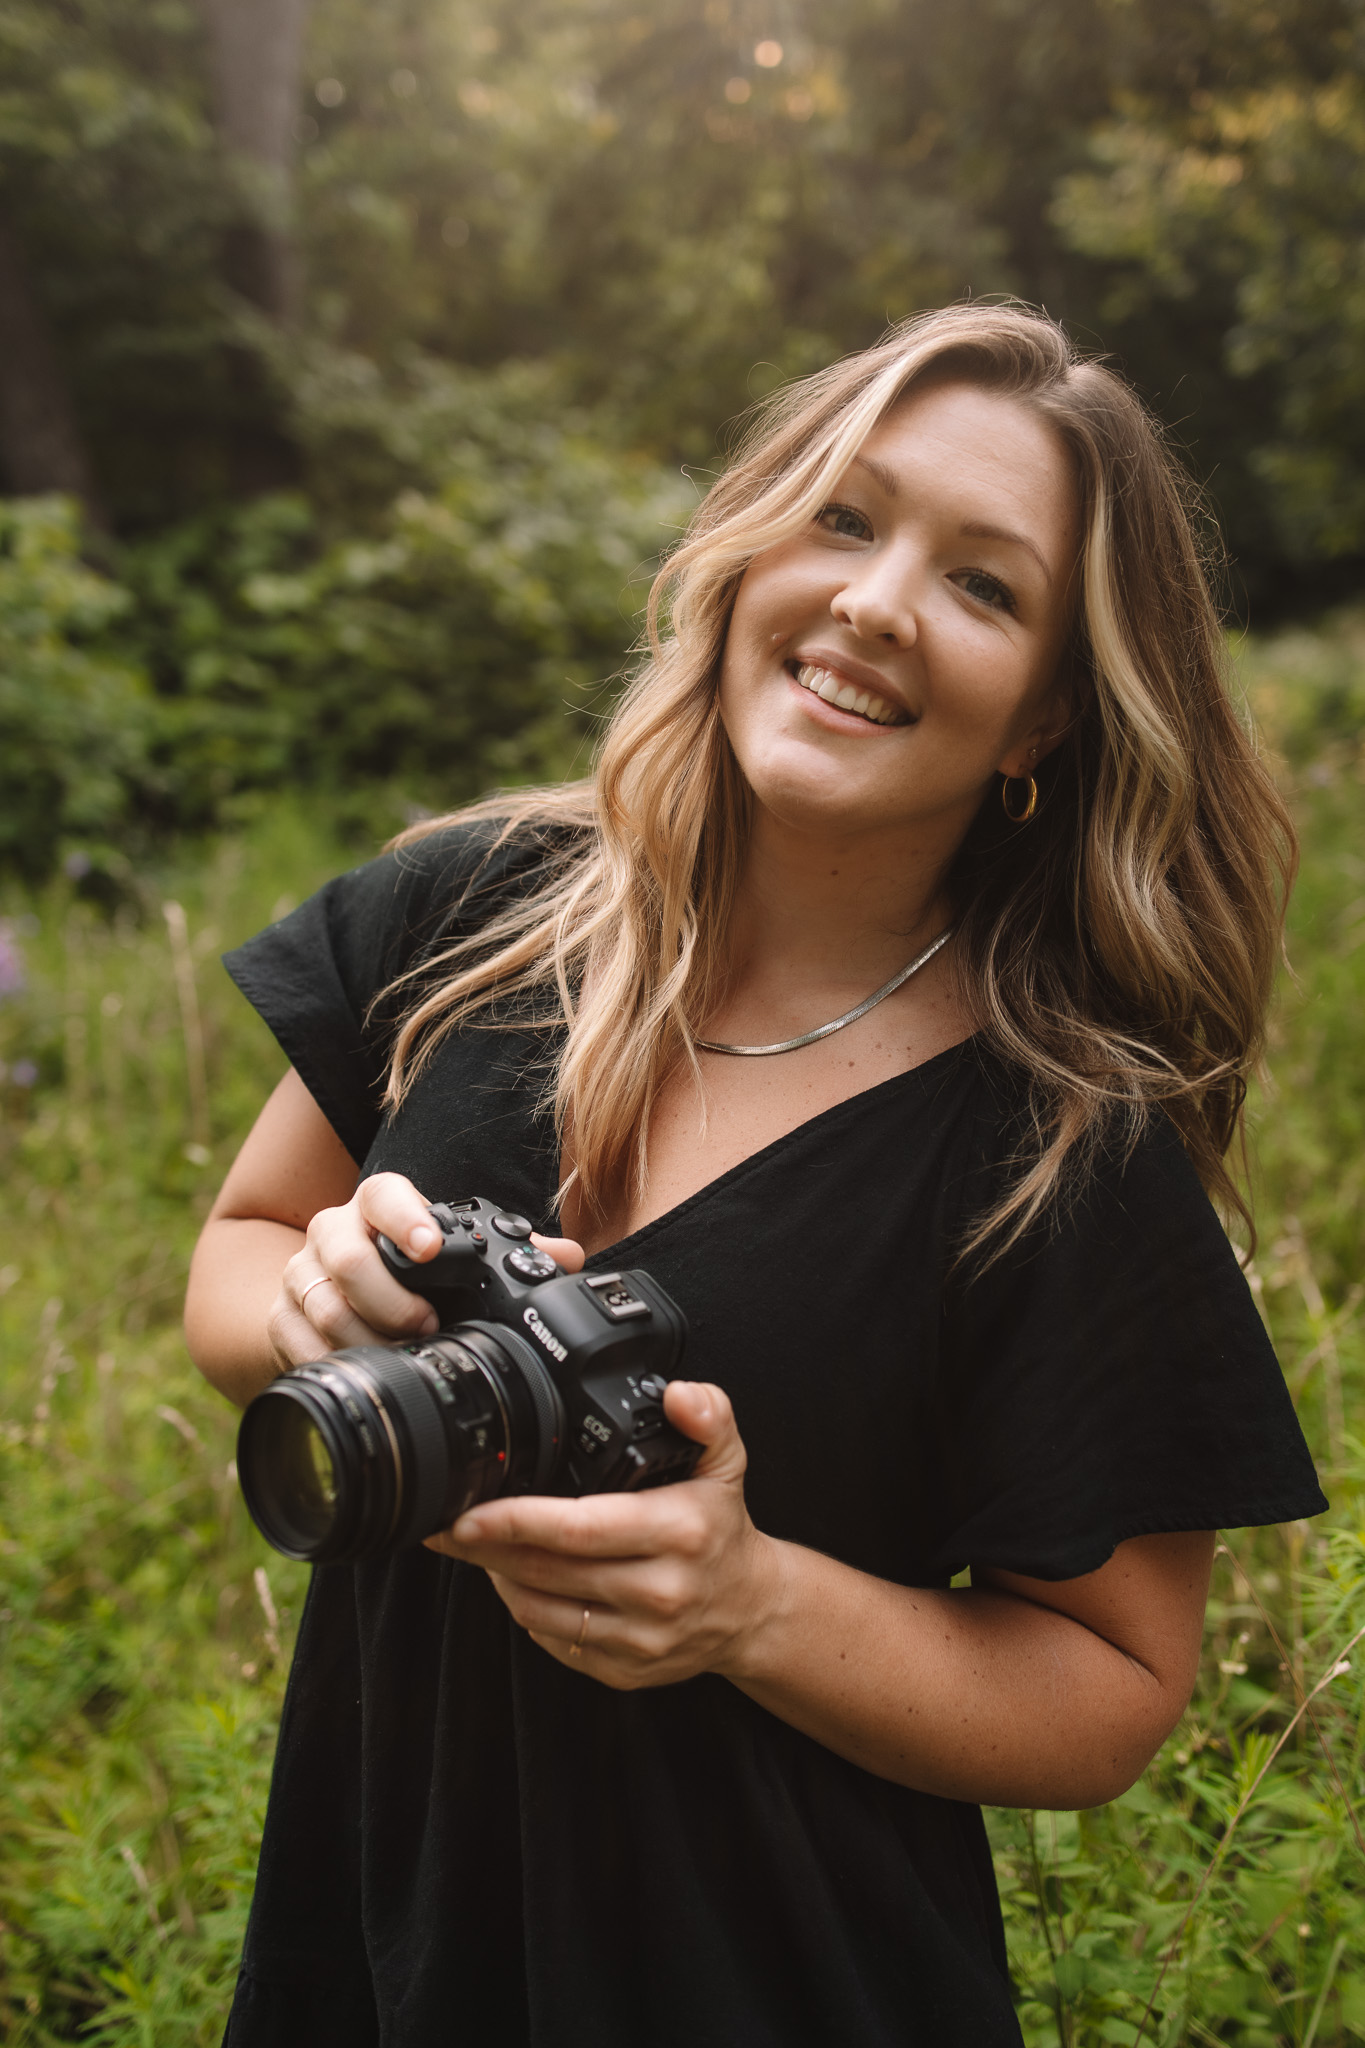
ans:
(1019, 817)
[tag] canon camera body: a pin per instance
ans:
(538, 1381)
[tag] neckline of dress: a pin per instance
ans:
(613, 1252)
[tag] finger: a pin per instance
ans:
(612, 1582)
(558, 1626)
(314, 1296)
(604, 1525)
(389, 1202)
(565, 1251)
(335, 1321)
(341, 1246)
(292, 1337)
(545, 1613)
(704, 1413)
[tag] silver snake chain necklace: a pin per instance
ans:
(849, 1017)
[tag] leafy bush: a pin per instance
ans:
(75, 714)
(462, 636)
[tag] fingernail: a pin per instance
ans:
(421, 1237)
(429, 1324)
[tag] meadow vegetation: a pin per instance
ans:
(145, 1629)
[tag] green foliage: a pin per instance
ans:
(110, 172)
(1255, 196)
(628, 199)
(463, 634)
(142, 1657)
(141, 1649)
(74, 714)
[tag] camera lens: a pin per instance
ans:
(300, 1475)
(374, 1448)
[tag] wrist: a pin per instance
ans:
(769, 1603)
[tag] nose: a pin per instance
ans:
(879, 599)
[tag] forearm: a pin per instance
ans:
(971, 1694)
(234, 1280)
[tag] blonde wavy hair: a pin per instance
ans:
(1118, 951)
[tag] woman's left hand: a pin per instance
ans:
(635, 1589)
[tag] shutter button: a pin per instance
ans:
(512, 1226)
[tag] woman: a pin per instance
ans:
(938, 719)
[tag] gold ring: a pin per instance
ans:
(576, 1649)
(322, 1277)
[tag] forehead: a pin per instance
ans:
(979, 455)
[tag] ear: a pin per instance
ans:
(1057, 720)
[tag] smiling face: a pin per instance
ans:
(882, 667)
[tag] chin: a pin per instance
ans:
(816, 802)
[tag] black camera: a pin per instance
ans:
(538, 1381)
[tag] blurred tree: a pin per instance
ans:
(40, 442)
(117, 193)
(257, 48)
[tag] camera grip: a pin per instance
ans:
(457, 1269)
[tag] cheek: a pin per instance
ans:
(753, 640)
(989, 685)
(778, 593)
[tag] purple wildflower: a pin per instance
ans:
(12, 977)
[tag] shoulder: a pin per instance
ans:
(333, 977)
(1129, 1161)
(444, 882)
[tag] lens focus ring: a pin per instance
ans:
(546, 1405)
(425, 1471)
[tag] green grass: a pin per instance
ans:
(145, 1629)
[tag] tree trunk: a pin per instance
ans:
(257, 48)
(40, 443)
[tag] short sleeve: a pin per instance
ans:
(314, 976)
(1112, 1378)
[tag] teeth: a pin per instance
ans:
(863, 703)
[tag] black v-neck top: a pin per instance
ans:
(469, 1843)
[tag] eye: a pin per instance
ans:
(986, 589)
(845, 521)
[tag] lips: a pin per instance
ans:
(845, 695)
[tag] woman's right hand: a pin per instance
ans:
(336, 1291)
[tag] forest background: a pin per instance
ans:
(358, 358)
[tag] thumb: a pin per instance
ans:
(565, 1251)
(704, 1413)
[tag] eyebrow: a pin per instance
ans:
(885, 475)
(977, 529)
(974, 529)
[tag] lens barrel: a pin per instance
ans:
(373, 1448)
